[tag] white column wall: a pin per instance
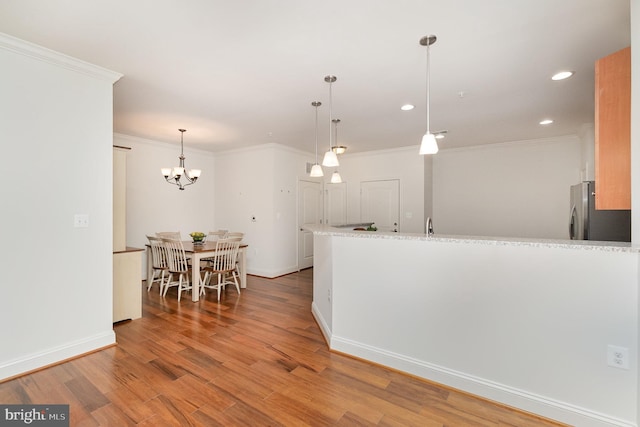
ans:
(56, 136)
(261, 182)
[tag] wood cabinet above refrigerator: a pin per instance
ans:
(613, 130)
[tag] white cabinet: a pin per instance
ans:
(127, 262)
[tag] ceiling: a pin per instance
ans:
(241, 73)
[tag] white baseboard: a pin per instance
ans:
(324, 327)
(58, 354)
(270, 274)
(486, 389)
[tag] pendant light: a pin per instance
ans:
(330, 158)
(429, 144)
(316, 169)
(335, 177)
(174, 175)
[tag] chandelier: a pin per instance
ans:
(174, 175)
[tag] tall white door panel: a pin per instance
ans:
(380, 203)
(336, 203)
(309, 212)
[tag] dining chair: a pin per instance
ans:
(169, 235)
(223, 265)
(239, 236)
(235, 234)
(215, 235)
(160, 266)
(177, 260)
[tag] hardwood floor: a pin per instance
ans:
(254, 360)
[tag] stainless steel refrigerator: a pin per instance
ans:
(587, 223)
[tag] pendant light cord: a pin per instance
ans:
(330, 112)
(316, 134)
(428, 86)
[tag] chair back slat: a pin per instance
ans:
(158, 255)
(226, 255)
(176, 255)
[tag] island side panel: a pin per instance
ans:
(525, 325)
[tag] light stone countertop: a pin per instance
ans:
(589, 245)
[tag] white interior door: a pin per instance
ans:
(309, 212)
(336, 204)
(380, 203)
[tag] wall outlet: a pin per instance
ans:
(81, 220)
(618, 357)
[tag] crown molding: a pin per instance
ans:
(58, 59)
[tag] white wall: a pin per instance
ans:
(526, 324)
(154, 205)
(517, 189)
(261, 182)
(588, 150)
(635, 153)
(404, 164)
(56, 138)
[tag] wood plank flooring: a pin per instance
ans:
(257, 359)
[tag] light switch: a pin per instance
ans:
(81, 220)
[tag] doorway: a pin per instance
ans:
(310, 209)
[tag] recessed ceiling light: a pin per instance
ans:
(562, 75)
(546, 122)
(407, 107)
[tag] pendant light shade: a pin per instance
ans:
(316, 169)
(336, 178)
(330, 158)
(429, 144)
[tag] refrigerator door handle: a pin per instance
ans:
(572, 223)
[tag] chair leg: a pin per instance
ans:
(235, 280)
(166, 286)
(187, 286)
(203, 282)
(219, 285)
(162, 284)
(153, 278)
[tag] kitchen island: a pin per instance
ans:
(525, 322)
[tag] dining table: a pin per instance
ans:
(197, 252)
